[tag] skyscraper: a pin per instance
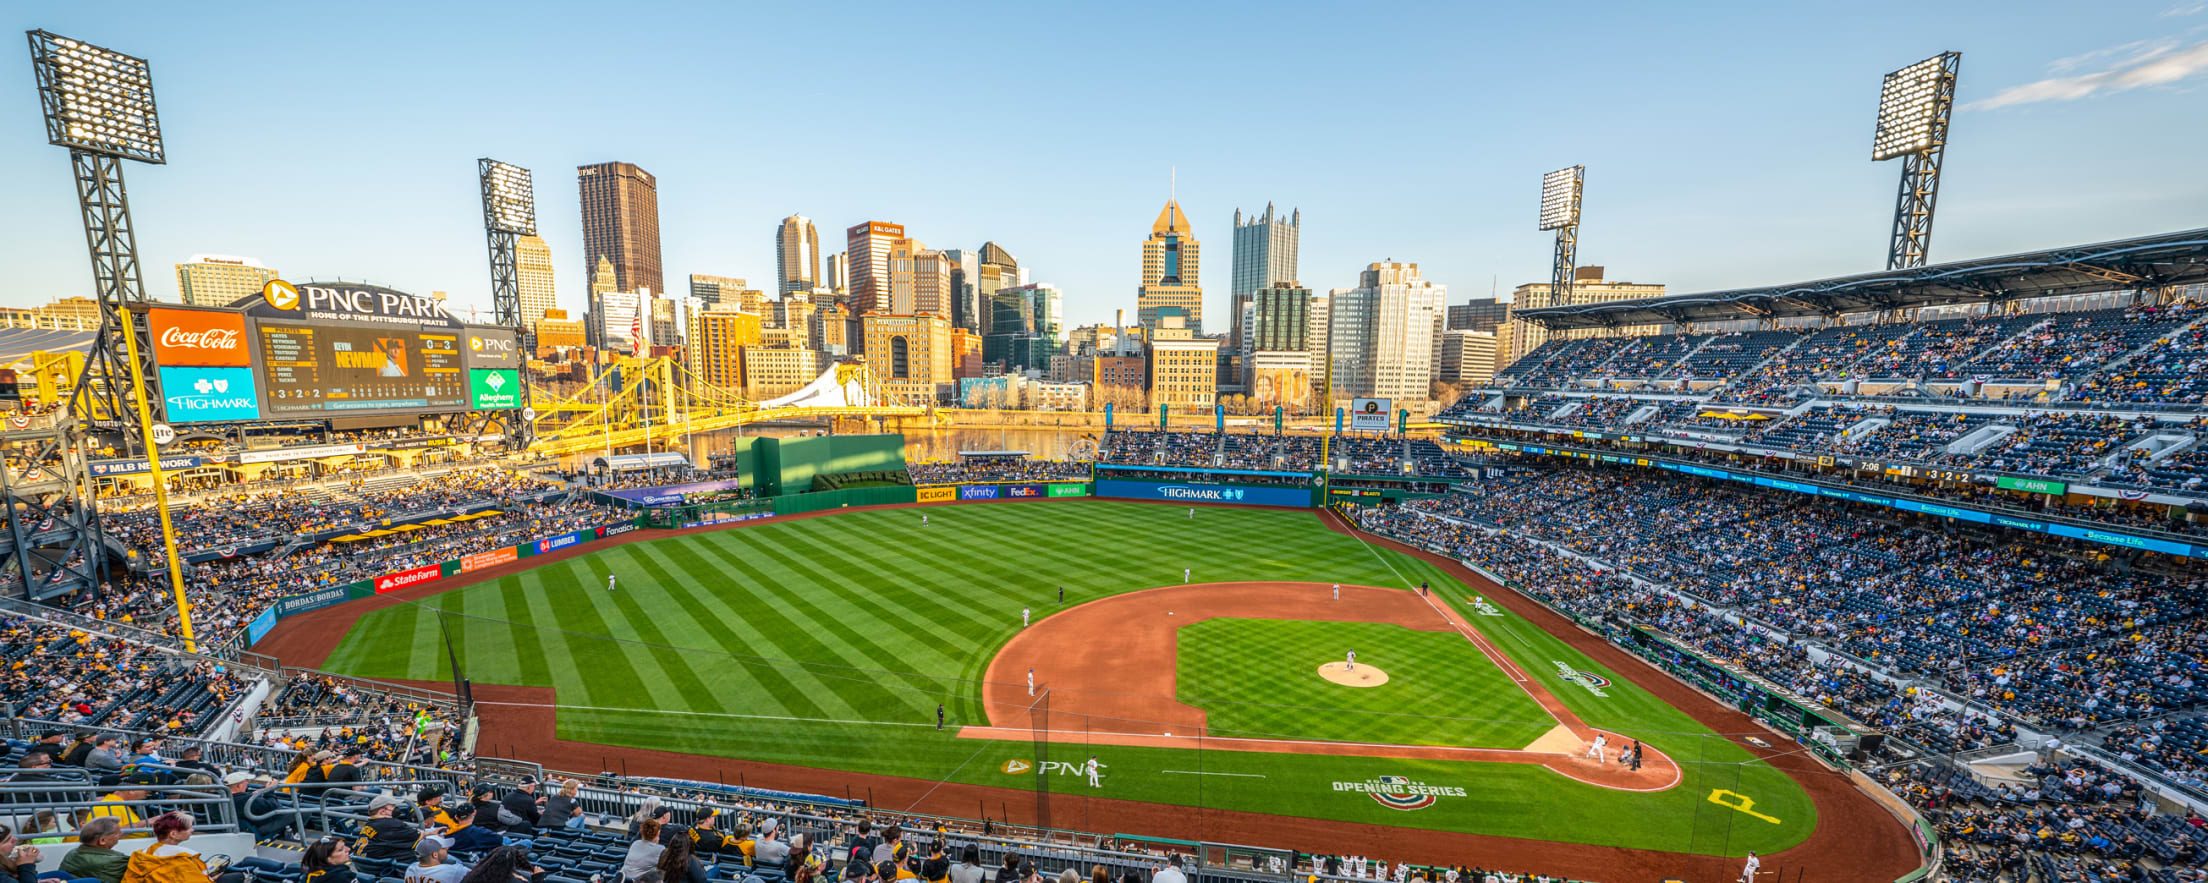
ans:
(866, 262)
(919, 281)
(533, 272)
(835, 275)
(1264, 253)
(601, 284)
(1383, 334)
(213, 280)
(965, 267)
(621, 223)
(999, 271)
(1171, 280)
(796, 255)
(717, 291)
(1026, 323)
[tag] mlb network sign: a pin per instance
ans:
(1186, 492)
(196, 395)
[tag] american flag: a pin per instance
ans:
(636, 334)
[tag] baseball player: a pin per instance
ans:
(1061, 594)
(1594, 749)
(939, 715)
(923, 519)
(1031, 682)
(1184, 576)
(609, 582)
(1192, 513)
(1024, 613)
(1095, 771)
(1748, 870)
(1337, 591)
(1352, 660)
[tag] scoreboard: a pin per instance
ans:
(311, 368)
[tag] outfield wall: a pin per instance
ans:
(1205, 492)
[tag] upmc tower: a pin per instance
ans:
(621, 224)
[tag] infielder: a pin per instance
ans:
(1352, 660)
(1024, 612)
(609, 582)
(1095, 771)
(1748, 871)
(1031, 682)
(1184, 576)
(1337, 591)
(1594, 749)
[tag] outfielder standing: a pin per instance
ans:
(1095, 771)
(1184, 576)
(1024, 612)
(609, 582)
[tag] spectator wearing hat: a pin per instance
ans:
(135, 786)
(430, 865)
(95, 857)
(470, 836)
(519, 809)
(388, 838)
(768, 847)
(347, 769)
(706, 836)
(190, 759)
(429, 809)
(52, 743)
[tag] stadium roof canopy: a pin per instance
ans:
(634, 462)
(2146, 262)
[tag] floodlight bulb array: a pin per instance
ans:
(510, 202)
(1909, 109)
(1560, 198)
(98, 99)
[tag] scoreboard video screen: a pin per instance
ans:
(312, 368)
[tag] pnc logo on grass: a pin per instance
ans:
(1017, 766)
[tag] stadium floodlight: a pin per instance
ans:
(1560, 197)
(1914, 106)
(509, 198)
(96, 100)
(1909, 108)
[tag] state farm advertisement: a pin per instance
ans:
(404, 578)
(198, 338)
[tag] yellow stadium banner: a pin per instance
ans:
(938, 494)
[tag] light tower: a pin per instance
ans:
(509, 212)
(1913, 110)
(1560, 212)
(99, 104)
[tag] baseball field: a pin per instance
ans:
(830, 642)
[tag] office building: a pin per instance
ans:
(1026, 323)
(1280, 318)
(533, 276)
(1264, 255)
(616, 327)
(556, 332)
(1478, 314)
(1183, 369)
(717, 291)
(999, 271)
(773, 372)
(213, 280)
(666, 323)
(1280, 378)
(1383, 331)
(718, 337)
(909, 355)
(834, 275)
(67, 314)
(965, 266)
(1467, 357)
(1172, 283)
(867, 248)
(919, 280)
(601, 281)
(1514, 339)
(796, 255)
(621, 223)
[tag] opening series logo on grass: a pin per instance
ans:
(1400, 792)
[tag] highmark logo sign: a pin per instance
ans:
(1593, 683)
(1400, 792)
(1209, 494)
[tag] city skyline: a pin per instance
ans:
(1793, 190)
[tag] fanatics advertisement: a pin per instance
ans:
(1190, 492)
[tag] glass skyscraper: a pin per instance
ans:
(1264, 254)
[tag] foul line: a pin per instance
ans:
(1510, 669)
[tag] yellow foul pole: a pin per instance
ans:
(160, 486)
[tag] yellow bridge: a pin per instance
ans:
(658, 401)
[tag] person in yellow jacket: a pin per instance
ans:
(167, 859)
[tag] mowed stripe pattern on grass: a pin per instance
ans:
(861, 616)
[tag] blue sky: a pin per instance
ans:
(1726, 144)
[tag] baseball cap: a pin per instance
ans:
(52, 734)
(141, 777)
(237, 778)
(429, 844)
(428, 794)
(381, 801)
(767, 826)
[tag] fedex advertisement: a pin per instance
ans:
(1023, 491)
(1192, 492)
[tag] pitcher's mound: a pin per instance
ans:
(1364, 676)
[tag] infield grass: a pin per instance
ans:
(827, 642)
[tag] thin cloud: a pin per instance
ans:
(2195, 7)
(2127, 54)
(2138, 67)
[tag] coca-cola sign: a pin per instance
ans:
(200, 338)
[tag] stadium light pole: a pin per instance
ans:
(510, 212)
(1560, 192)
(99, 104)
(1914, 106)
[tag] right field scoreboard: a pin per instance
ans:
(330, 350)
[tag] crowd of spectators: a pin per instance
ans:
(76, 677)
(977, 469)
(217, 520)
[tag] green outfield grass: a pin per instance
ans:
(827, 642)
(1258, 678)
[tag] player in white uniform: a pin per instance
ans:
(1337, 591)
(1748, 871)
(1024, 613)
(923, 520)
(1352, 660)
(1184, 576)
(1192, 513)
(1030, 682)
(1095, 772)
(609, 582)
(1594, 749)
